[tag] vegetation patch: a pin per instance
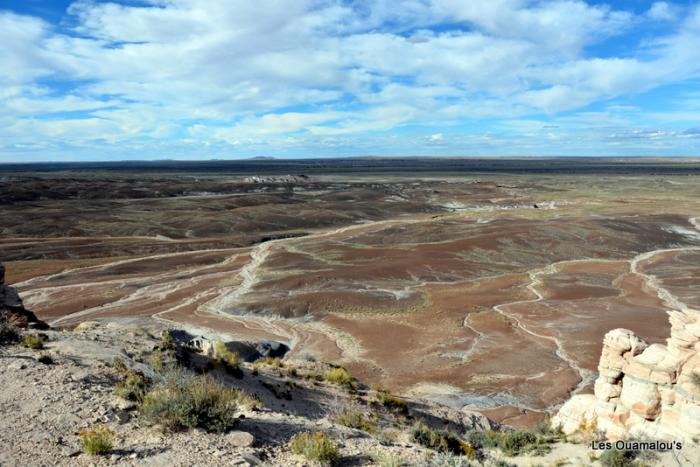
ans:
(618, 458)
(339, 376)
(33, 341)
(440, 440)
(275, 362)
(355, 419)
(187, 401)
(512, 442)
(391, 402)
(96, 441)
(133, 385)
(315, 447)
(9, 334)
(46, 359)
(229, 360)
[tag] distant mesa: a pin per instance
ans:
(277, 179)
(263, 158)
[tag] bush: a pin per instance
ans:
(448, 460)
(391, 402)
(45, 359)
(231, 361)
(33, 341)
(339, 376)
(166, 354)
(132, 388)
(388, 460)
(275, 362)
(96, 441)
(186, 401)
(8, 333)
(315, 447)
(618, 458)
(512, 442)
(440, 440)
(355, 419)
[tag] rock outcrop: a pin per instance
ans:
(645, 391)
(12, 310)
(276, 179)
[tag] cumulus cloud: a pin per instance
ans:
(314, 72)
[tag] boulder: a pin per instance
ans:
(12, 309)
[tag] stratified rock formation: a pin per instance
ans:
(276, 179)
(11, 308)
(643, 391)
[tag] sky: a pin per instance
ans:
(230, 79)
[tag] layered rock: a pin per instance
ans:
(12, 309)
(648, 391)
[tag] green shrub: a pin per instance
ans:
(512, 443)
(133, 386)
(166, 354)
(231, 361)
(33, 341)
(9, 334)
(440, 440)
(448, 460)
(618, 458)
(96, 441)
(391, 402)
(315, 447)
(339, 376)
(355, 419)
(275, 362)
(186, 401)
(388, 459)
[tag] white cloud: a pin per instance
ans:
(663, 11)
(240, 71)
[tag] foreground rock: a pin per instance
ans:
(643, 391)
(12, 309)
(43, 406)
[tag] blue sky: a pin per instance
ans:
(201, 79)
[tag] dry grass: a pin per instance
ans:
(315, 447)
(96, 441)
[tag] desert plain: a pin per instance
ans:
(486, 286)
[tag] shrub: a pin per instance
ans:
(33, 341)
(97, 440)
(315, 447)
(391, 402)
(618, 458)
(186, 401)
(45, 359)
(133, 386)
(275, 362)
(231, 361)
(166, 354)
(440, 440)
(448, 460)
(388, 459)
(8, 333)
(512, 443)
(339, 376)
(355, 419)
